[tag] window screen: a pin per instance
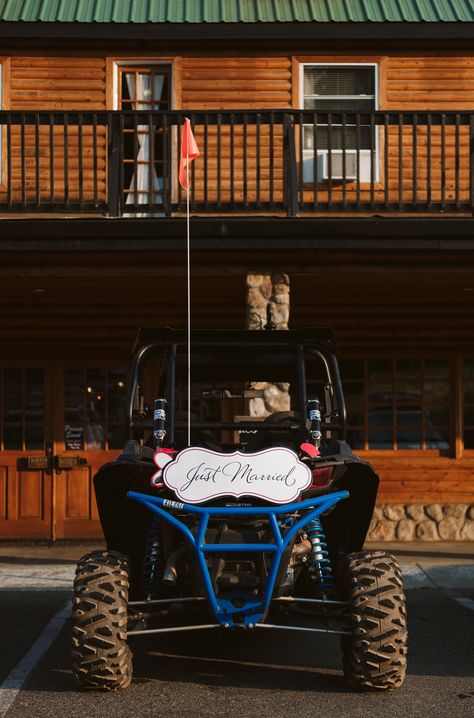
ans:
(342, 83)
(335, 88)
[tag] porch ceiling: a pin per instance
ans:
(233, 233)
(72, 304)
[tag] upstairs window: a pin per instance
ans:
(342, 150)
(144, 88)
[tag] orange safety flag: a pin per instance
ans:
(189, 152)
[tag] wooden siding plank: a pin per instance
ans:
(54, 62)
(260, 76)
(245, 83)
(67, 83)
(405, 85)
(56, 73)
(45, 98)
(426, 62)
(239, 63)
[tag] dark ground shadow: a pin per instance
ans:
(28, 561)
(434, 554)
(267, 660)
(261, 661)
(441, 635)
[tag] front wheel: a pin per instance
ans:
(374, 655)
(101, 657)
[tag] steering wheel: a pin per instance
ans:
(264, 439)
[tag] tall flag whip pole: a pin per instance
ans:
(189, 152)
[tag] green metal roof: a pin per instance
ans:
(236, 11)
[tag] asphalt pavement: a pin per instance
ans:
(236, 675)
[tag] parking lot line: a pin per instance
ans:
(465, 602)
(14, 681)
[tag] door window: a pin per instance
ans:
(94, 408)
(398, 403)
(22, 415)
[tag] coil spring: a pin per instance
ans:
(152, 570)
(319, 565)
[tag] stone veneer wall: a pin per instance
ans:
(268, 294)
(265, 290)
(422, 522)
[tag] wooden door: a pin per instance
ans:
(88, 433)
(26, 436)
(59, 422)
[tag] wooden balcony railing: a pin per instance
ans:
(281, 162)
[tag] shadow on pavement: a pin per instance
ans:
(274, 661)
(33, 561)
(433, 554)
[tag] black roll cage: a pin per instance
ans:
(318, 342)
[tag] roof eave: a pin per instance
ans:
(239, 31)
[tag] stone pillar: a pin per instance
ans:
(268, 292)
(268, 297)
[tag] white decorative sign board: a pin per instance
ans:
(275, 475)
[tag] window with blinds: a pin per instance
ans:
(329, 89)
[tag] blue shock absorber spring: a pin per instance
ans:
(152, 570)
(319, 565)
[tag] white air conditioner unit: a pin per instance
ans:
(337, 166)
(337, 171)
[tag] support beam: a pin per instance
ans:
(268, 299)
(268, 295)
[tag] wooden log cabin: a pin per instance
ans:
(337, 146)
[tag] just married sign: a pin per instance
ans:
(198, 475)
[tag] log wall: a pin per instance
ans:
(222, 82)
(248, 83)
(57, 84)
(431, 83)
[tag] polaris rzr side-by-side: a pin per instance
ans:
(237, 505)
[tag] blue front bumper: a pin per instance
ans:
(248, 608)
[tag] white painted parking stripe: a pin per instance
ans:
(465, 602)
(15, 680)
(415, 577)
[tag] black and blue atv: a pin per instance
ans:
(237, 505)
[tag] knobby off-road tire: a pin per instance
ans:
(374, 656)
(101, 657)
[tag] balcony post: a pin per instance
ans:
(113, 162)
(291, 179)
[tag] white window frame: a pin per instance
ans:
(364, 163)
(144, 62)
(138, 63)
